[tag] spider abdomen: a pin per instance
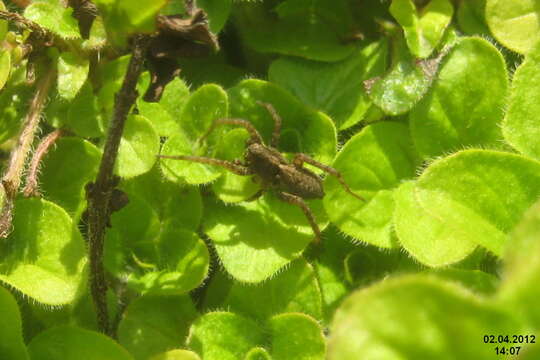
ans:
(300, 182)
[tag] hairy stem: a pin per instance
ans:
(31, 187)
(99, 193)
(20, 20)
(17, 159)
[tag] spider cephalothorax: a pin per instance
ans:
(288, 180)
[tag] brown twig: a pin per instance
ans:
(12, 177)
(99, 193)
(21, 21)
(31, 187)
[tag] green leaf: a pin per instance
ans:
(72, 74)
(402, 87)
(5, 66)
(44, 257)
(66, 169)
(224, 336)
(12, 345)
(174, 204)
(130, 241)
(69, 342)
(176, 355)
(230, 187)
(258, 353)
(53, 16)
(112, 75)
(372, 163)
(423, 32)
(471, 17)
(335, 88)
(313, 30)
(465, 104)
(303, 129)
(14, 100)
(205, 105)
(476, 280)
(518, 291)
(293, 290)
(167, 113)
(182, 266)
(255, 239)
(330, 271)
(514, 23)
(125, 17)
(84, 116)
(297, 337)
(218, 12)
(520, 124)
(139, 147)
(98, 36)
(463, 201)
(3, 23)
(416, 317)
(154, 324)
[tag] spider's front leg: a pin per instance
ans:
(234, 167)
(298, 201)
(300, 159)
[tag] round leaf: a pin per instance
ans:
(204, 106)
(45, 255)
(52, 15)
(69, 342)
(514, 23)
(465, 104)
(372, 163)
(462, 201)
(335, 88)
(176, 355)
(297, 337)
(520, 124)
(255, 239)
(154, 324)
(416, 317)
(139, 147)
(72, 74)
(224, 336)
(66, 169)
(294, 290)
(522, 269)
(12, 345)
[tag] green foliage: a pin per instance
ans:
(426, 109)
(416, 316)
(69, 342)
(12, 344)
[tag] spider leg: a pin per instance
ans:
(298, 201)
(277, 123)
(300, 159)
(229, 165)
(255, 196)
(255, 136)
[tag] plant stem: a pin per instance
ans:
(31, 187)
(20, 20)
(12, 177)
(99, 193)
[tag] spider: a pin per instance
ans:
(288, 180)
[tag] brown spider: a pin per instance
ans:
(290, 181)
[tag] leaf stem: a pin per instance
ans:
(31, 187)
(17, 159)
(99, 193)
